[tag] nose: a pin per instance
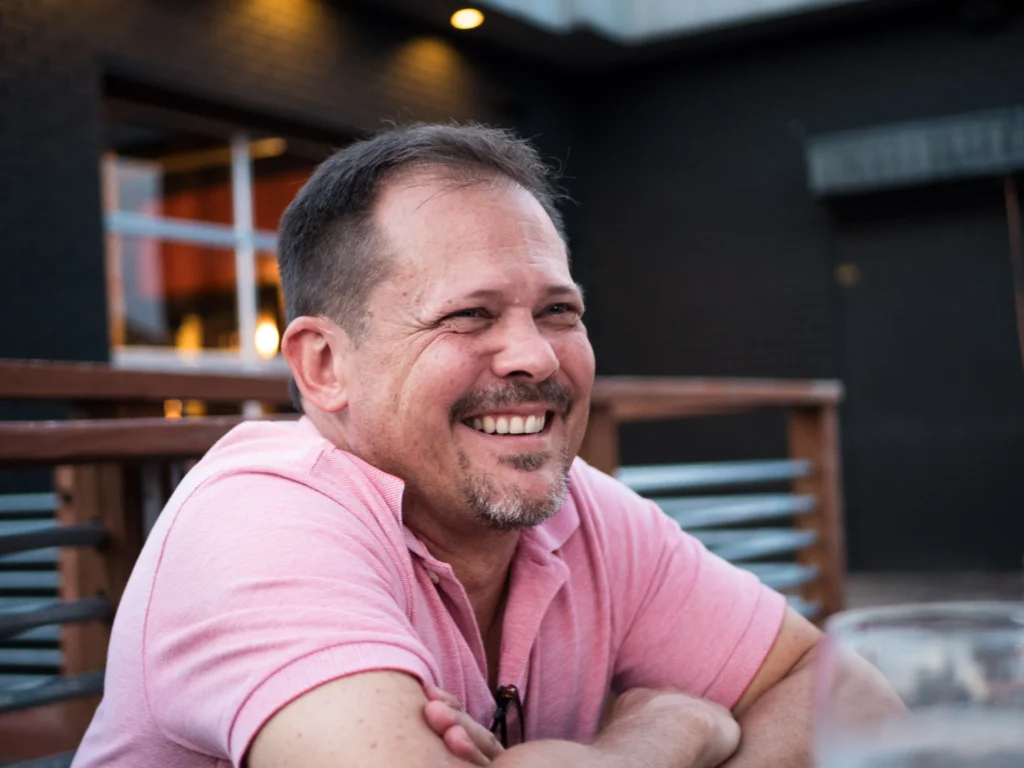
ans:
(524, 351)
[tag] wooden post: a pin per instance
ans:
(86, 493)
(814, 436)
(600, 446)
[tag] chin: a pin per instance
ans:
(512, 506)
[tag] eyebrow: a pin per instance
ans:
(558, 289)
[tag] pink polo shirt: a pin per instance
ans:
(281, 563)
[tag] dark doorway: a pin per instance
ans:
(934, 418)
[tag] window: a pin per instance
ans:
(191, 212)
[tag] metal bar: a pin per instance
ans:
(245, 250)
(39, 537)
(709, 511)
(22, 580)
(28, 502)
(670, 477)
(34, 537)
(782, 576)
(87, 609)
(50, 691)
(45, 660)
(134, 224)
(755, 543)
(56, 761)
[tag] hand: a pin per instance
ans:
(463, 736)
(691, 731)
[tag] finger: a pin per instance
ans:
(440, 717)
(436, 694)
(485, 741)
(462, 746)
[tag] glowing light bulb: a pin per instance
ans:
(267, 337)
(467, 18)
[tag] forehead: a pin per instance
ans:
(440, 226)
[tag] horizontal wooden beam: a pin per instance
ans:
(97, 382)
(642, 398)
(88, 441)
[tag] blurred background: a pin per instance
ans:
(760, 188)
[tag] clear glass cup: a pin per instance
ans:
(957, 670)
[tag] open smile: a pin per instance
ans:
(502, 423)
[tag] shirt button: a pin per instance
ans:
(434, 577)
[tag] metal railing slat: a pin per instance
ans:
(710, 511)
(36, 536)
(50, 691)
(14, 622)
(669, 477)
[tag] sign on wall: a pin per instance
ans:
(922, 152)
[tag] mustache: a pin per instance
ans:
(555, 396)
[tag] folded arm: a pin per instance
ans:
(379, 719)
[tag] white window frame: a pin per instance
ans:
(241, 236)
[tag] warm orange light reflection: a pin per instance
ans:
(267, 337)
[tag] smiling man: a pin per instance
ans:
(422, 557)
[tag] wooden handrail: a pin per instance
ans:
(84, 441)
(634, 398)
(98, 382)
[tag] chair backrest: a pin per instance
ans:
(66, 553)
(801, 551)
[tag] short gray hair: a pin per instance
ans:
(330, 255)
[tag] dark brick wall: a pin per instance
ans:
(708, 256)
(307, 62)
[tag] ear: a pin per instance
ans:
(317, 351)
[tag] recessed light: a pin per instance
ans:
(467, 18)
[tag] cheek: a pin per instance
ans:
(445, 371)
(576, 359)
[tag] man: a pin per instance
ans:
(421, 555)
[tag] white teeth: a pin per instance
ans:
(508, 425)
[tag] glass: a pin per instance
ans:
(165, 172)
(958, 669)
(173, 294)
(279, 169)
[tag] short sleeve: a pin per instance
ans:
(685, 618)
(264, 590)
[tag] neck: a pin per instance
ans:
(480, 558)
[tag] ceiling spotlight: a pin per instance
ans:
(467, 18)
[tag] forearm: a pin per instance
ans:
(776, 729)
(625, 743)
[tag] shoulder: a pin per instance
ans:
(603, 500)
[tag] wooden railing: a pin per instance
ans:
(115, 464)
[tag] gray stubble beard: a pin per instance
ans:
(503, 509)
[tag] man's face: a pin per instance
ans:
(472, 380)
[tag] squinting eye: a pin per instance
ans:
(562, 309)
(472, 313)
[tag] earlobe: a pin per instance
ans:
(315, 349)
